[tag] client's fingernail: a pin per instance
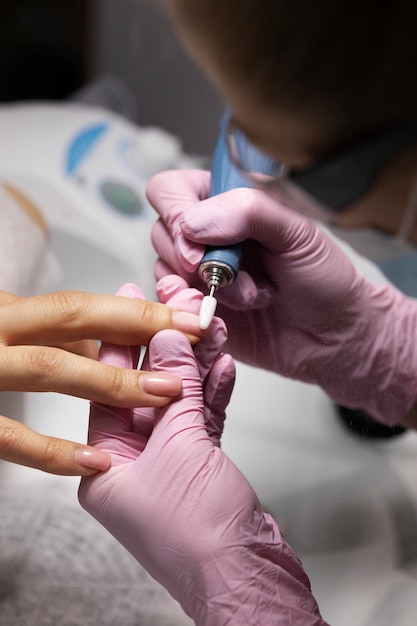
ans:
(187, 322)
(160, 384)
(90, 457)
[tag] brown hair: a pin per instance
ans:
(349, 63)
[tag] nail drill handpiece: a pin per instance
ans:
(220, 265)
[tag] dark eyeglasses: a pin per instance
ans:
(327, 187)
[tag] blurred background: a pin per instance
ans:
(50, 49)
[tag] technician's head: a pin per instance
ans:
(305, 79)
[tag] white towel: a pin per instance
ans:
(27, 264)
(59, 567)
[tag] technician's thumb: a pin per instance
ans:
(170, 351)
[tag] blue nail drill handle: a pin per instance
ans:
(220, 265)
(230, 256)
(224, 176)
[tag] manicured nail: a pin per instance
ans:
(187, 322)
(160, 384)
(90, 457)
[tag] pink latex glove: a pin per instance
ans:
(299, 307)
(178, 503)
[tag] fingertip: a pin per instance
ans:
(153, 187)
(160, 384)
(91, 460)
(187, 299)
(189, 252)
(130, 290)
(168, 286)
(161, 269)
(185, 303)
(217, 332)
(169, 349)
(187, 323)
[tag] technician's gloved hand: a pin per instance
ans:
(178, 503)
(299, 308)
(47, 344)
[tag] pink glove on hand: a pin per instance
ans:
(299, 307)
(180, 506)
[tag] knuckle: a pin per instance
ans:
(68, 305)
(116, 382)
(43, 363)
(148, 310)
(150, 313)
(9, 436)
(52, 453)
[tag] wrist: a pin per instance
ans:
(385, 372)
(259, 581)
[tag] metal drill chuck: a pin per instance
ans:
(216, 274)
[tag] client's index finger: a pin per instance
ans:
(67, 316)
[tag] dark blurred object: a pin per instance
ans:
(360, 424)
(42, 48)
(136, 41)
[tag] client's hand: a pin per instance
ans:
(47, 344)
(178, 503)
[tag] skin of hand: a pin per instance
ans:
(47, 344)
(298, 307)
(178, 503)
